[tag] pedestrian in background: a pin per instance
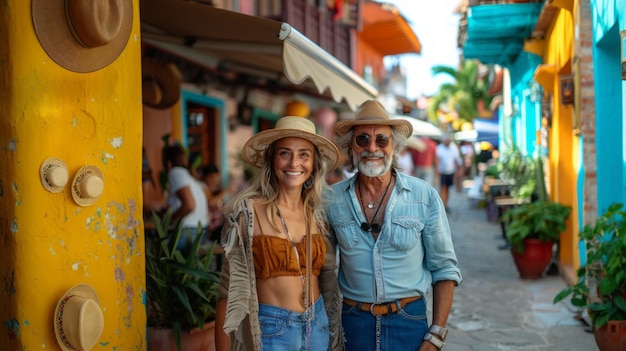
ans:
(448, 161)
(394, 241)
(424, 161)
(278, 288)
(185, 196)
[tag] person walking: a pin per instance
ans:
(424, 161)
(448, 160)
(278, 288)
(394, 241)
(185, 197)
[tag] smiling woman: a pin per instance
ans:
(279, 222)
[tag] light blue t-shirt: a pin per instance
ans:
(414, 249)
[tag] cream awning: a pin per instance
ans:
(233, 41)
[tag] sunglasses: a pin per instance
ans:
(371, 228)
(363, 140)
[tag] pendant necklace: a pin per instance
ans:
(308, 303)
(372, 227)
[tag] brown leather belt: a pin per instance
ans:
(379, 309)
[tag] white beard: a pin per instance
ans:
(372, 169)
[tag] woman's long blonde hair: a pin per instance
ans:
(264, 189)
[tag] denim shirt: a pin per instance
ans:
(414, 248)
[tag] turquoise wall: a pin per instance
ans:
(527, 119)
(608, 18)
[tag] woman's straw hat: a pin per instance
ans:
(83, 35)
(78, 319)
(289, 126)
(160, 83)
(372, 112)
(87, 186)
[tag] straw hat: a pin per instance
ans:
(372, 112)
(83, 35)
(87, 186)
(78, 319)
(53, 174)
(160, 83)
(289, 126)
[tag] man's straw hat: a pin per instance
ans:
(83, 35)
(372, 112)
(78, 319)
(289, 126)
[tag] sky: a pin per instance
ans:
(436, 26)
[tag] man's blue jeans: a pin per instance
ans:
(400, 331)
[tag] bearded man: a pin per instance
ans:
(394, 241)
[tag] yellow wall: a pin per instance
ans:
(564, 143)
(47, 242)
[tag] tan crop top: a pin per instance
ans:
(274, 256)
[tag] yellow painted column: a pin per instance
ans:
(48, 241)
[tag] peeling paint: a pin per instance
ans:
(130, 294)
(13, 326)
(106, 157)
(14, 228)
(13, 145)
(52, 251)
(144, 297)
(26, 323)
(75, 266)
(104, 343)
(120, 276)
(116, 142)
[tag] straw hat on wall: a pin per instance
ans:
(83, 35)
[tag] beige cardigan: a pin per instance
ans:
(238, 282)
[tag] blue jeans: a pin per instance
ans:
(403, 330)
(284, 330)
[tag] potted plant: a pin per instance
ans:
(601, 287)
(534, 227)
(532, 230)
(181, 290)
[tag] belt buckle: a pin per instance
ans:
(379, 314)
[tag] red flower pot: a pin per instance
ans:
(612, 336)
(535, 260)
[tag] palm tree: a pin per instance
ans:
(464, 94)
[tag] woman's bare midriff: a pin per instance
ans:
(285, 292)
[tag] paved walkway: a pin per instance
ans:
(496, 310)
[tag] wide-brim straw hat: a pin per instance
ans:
(78, 319)
(160, 83)
(83, 35)
(372, 112)
(286, 127)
